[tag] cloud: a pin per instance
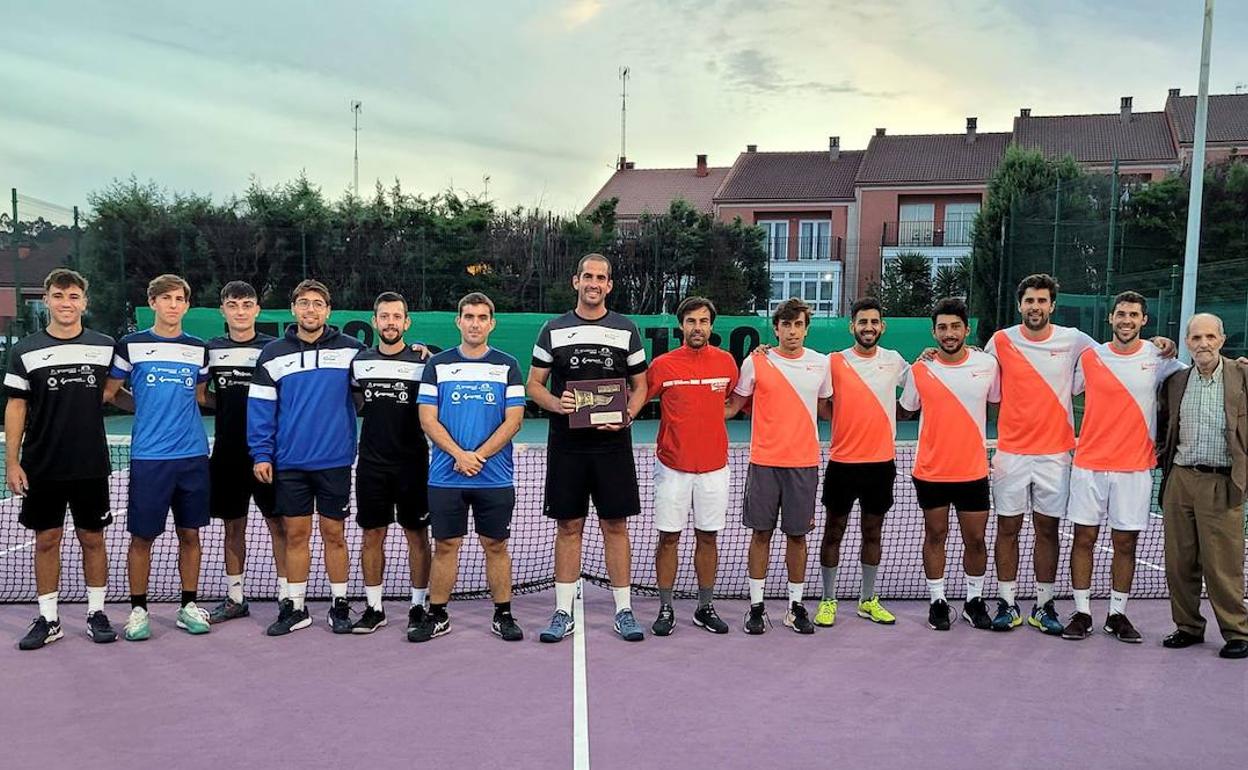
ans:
(580, 12)
(752, 70)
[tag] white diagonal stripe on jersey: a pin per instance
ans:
(293, 363)
(121, 363)
(262, 392)
(590, 334)
(472, 371)
(541, 354)
(636, 358)
(67, 355)
(376, 369)
(16, 381)
(141, 352)
(233, 356)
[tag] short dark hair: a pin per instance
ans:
(307, 285)
(866, 303)
(789, 310)
(63, 278)
(238, 290)
(1038, 281)
(690, 304)
(950, 306)
(1131, 297)
(593, 256)
(389, 296)
(475, 298)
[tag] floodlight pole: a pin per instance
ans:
(1191, 252)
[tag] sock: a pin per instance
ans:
(235, 588)
(47, 606)
(1117, 603)
(189, 597)
(502, 608)
(974, 586)
(1083, 600)
(373, 596)
(795, 592)
(283, 589)
(338, 591)
(665, 596)
(1044, 593)
(95, 599)
(437, 610)
(829, 581)
(297, 592)
(623, 599)
(1006, 589)
(756, 590)
(565, 594)
(138, 601)
(705, 596)
(936, 589)
(420, 596)
(867, 592)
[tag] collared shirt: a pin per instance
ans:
(1202, 422)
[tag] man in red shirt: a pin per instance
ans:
(691, 468)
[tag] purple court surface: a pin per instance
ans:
(853, 696)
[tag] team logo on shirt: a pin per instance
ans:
(489, 396)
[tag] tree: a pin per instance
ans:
(953, 281)
(905, 287)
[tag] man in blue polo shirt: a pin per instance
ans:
(167, 371)
(471, 405)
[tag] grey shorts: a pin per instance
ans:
(784, 494)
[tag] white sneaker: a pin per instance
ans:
(137, 626)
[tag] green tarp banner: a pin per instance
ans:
(515, 333)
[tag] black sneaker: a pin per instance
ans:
(975, 612)
(288, 619)
(756, 620)
(1079, 627)
(370, 621)
(665, 623)
(415, 616)
(706, 617)
(505, 627)
(99, 629)
(797, 619)
(429, 627)
(228, 610)
(939, 617)
(42, 632)
(1120, 628)
(339, 617)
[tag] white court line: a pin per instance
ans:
(580, 697)
(1109, 549)
(17, 548)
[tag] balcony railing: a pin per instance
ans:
(808, 248)
(948, 233)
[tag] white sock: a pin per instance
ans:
(1006, 590)
(95, 599)
(234, 584)
(623, 598)
(936, 589)
(338, 590)
(756, 590)
(1117, 603)
(47, 606)
(283, 589)
(420, 596)
(1083, 600)
(795, 592)
(974, 586)
(297, 592)
(565, 594)
(1044, 593)
(373, 595)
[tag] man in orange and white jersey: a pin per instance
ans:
(1113, 475)
(952, 391)
(787, 384)
(861, 465)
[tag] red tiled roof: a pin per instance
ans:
(791, 176)
(653, 190)
(1228, 118)
(932, 158)
(44, 256)
(1099, 138)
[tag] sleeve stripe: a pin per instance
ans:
(636, 358)
(17, 382)
(515, 391)
(262, 392)
(121, 363)
(428, 390)
(541, 355)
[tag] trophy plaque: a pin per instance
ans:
(598, 402)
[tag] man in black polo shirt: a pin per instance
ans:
(56, 454)
(589, 343)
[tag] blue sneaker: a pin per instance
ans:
(1008, 616)
(627, 626)
(561, 624)
(1045, 618)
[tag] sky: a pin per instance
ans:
(520, 100)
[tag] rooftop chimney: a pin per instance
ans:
(879, 132)
(630, 165)
(701, 166)
(834, 148)
(1025, 112)
(751, 148)
(1125, 109)
(622, 163)
(1174, 92)
(971, 124)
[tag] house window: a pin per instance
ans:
(959, 219)
(776, 239)
(814, 239)
(915, 224)
(818, 288)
